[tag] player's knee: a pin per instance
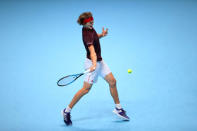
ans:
(86, 90)
(112, 82)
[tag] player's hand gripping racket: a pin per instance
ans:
(64, 81)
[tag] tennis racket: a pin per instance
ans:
(66, 80)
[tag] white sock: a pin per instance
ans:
(118, 106)
(68, 109)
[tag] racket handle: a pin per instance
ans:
(87, 71)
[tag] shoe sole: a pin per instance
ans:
(123, 118)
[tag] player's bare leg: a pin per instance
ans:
(114, 93)
(66, 112)
(84, 90)
(113, 89)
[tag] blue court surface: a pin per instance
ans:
(40, 41)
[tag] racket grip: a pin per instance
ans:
(87, 71)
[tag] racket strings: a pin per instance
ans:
(66, 80)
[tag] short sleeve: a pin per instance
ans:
(88, 37)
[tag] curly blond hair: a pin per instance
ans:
(83, 16)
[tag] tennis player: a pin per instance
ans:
(97, 66)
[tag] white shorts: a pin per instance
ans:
(101, 70)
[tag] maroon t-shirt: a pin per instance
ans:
(90, 37)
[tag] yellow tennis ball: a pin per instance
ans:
(129, 71)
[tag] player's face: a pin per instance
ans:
(90, 24)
